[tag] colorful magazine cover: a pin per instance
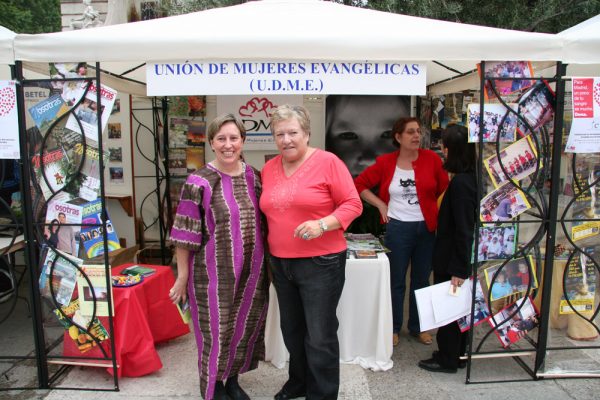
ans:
(514, 277)
(87, 111)
(517, 323)
(481, 311)
(93, 290)
(519, 160)
(503, 204)
(498, 123)
(51, 171)
(63, 220)
(47, 111)
(92, 231)
(85, 341)
(580, 284)
(89, 175)
(64, 275)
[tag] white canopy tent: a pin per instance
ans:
(7, 55)
(290, 30)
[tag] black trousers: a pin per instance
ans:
(452, 343)
(308, 291)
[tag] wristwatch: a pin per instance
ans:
(322, 225)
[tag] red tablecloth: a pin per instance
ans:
(144, 315)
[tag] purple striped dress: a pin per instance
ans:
(219, 221)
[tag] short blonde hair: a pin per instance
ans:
(216, 124)
(286, 112)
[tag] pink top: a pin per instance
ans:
(322, 186)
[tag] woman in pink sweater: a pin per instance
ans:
(309, 199)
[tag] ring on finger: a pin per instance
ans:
(306, 236)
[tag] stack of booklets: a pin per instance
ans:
(138, 270)
(364, 245)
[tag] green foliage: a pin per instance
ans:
(30, 16)
(549, 16)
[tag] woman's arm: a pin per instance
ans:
(374, 200)
(179, 290)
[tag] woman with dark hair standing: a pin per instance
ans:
(410, 180)
(454, 239)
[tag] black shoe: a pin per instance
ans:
(462, 364)
(284, 395)
(234, 390)
(433, 365)
(220, 393)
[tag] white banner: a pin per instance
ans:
(291, 77)
(9, 121)
(584, 136)
(255, 113)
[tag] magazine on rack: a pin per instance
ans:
(48, 111)
(63, 220)
(51, 170)
(94, 290)
(87, 110)
(83, 340)
(580, 284)
(64, 275)
(535, 106)
(89, 175)
(92, 230)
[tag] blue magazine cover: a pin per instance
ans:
(92, 230)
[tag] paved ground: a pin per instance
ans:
(178, 380)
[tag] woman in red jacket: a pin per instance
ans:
(410, 180)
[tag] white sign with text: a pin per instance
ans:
(9, 122)
(255, 113)
(291, 77)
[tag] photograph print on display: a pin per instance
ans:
(536, 107)
(497, 120)
(481, 312)
(517, 323)
(497, 242)
(114, 130)
(519, 161)
(503, 204)
(507, 69)
(116, 175)
(115, 154)
(510, 278)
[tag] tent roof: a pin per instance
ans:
(292, 30)
(7, 55)
(581, 43)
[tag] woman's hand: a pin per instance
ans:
(178, 292)
(456, 282)
(383, 211)
(308, 230)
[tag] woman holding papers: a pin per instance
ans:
(220, 262)
(454, 238)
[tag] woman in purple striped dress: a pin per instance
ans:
(220, 262)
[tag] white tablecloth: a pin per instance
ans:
(364, 313)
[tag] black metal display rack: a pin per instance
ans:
(524, 319)
(48, 335)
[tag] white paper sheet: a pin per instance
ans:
(445, 314)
